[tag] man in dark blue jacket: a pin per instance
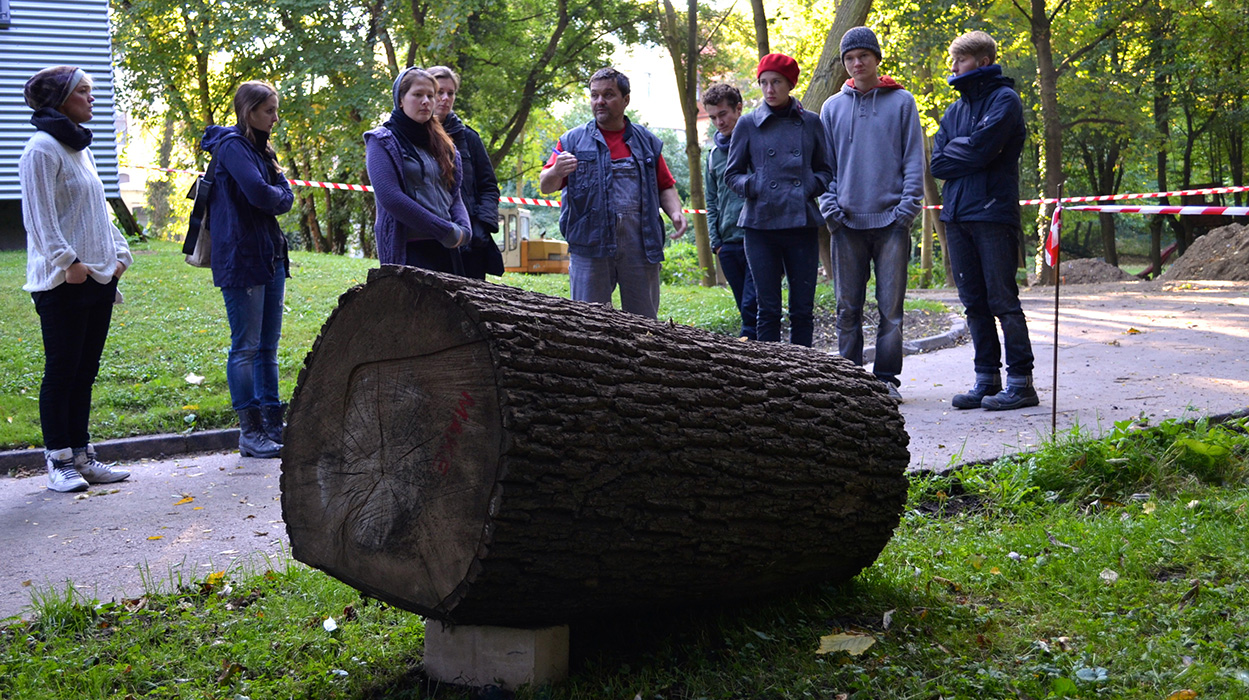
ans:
(976, 152)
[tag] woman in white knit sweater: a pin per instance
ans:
(74, 257)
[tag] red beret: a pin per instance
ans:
(780, 63)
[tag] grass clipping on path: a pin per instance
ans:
(1110, 568)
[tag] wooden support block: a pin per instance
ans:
(509, 657)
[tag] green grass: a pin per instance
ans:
(173, 325)
(1015, 581)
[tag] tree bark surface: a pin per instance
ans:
(483, 455)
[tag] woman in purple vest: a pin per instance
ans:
(416, 172)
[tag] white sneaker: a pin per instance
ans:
(95, 471)
(61, 473)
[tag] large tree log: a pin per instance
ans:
(484, 455)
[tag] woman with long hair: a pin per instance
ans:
(74, 259)
(416, 175)
(479, 188)
(250, 260)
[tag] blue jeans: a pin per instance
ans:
(74, 319)
(255, 315)
(737, 272)
(794, 255)
(983, 257)
(855, 253)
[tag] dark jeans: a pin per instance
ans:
(74, 319)
(432, 255)
(983, 258)
(737, 272)
(792, 254)
(255, 315)
(855, 253)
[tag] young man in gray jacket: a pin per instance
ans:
(877, 153)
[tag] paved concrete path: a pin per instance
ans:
(1125, 350)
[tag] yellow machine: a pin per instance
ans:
(523, 254)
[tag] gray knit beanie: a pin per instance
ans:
(860, 38)
(50, 87)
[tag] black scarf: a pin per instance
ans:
(261, 140)
(452, 125)
(62, 128)
(412, 134)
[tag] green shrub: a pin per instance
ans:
(681, 264)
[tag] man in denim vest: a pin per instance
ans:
(614, 183)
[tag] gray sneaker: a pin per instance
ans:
(61, 473)
(95, 471)
(893, 392)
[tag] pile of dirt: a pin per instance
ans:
(1221, 254)
(1091, 271)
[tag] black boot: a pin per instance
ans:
(986, 385)
(1017, 394)
(274, 419)
(252, 439)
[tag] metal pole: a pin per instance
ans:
(1057, 284)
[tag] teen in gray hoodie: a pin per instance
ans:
(876, 149)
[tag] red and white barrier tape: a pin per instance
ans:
(1190, 210)
(1162, 209)
(528, 201)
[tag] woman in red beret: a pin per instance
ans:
(778, 163)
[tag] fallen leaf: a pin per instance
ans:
(228, 670)
(1109, 576)
(157, 537)
(852, 644)
(888, 618)
(193, 378)
(1132, 331)
(1064, 643)
(995, 571)
(1149, 508)
(1093, 675)
(185, 500)
(1185, 694)
(977, 561)
(1190, 595)
(1058, 543)
(1192, 504)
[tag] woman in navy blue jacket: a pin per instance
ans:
(778, 164)
(250, 260)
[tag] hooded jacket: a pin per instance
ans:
(976, 150)
(778, 164)
(247, 197)
(876, 150)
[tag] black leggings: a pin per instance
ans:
(75, 320)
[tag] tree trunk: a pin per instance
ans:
(761, 27)
(683, 48)
(1160, 30)
(160, 188)
(829, 73)
(1051, 125)
(484, 455)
